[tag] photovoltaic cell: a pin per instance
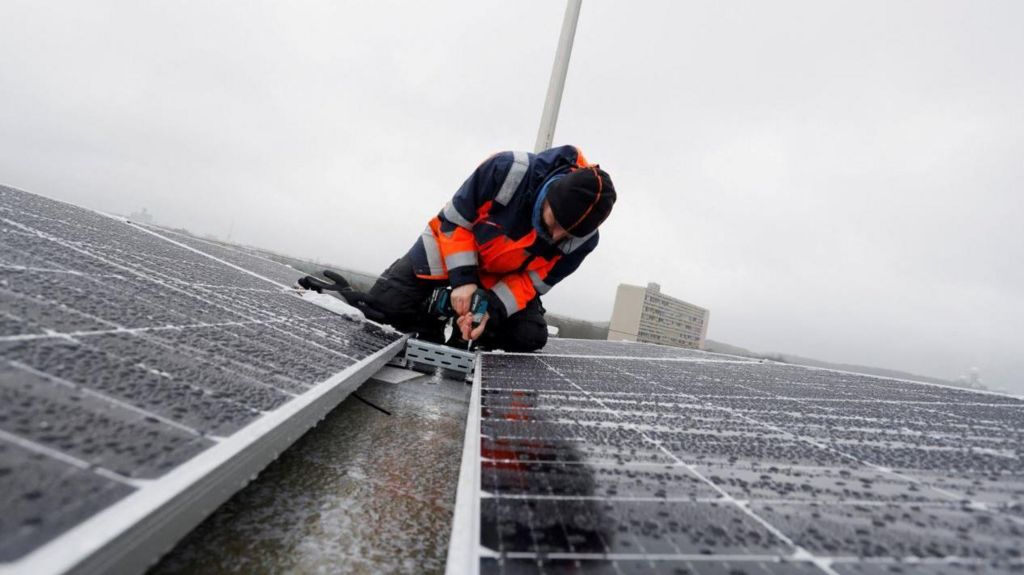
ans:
(588, 458)
(247, 259)
(141, 369)
(590, 347)
(98, 432)
(644, 567)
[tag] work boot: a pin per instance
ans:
(339, 284)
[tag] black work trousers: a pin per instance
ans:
(399, 298)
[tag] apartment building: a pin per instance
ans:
(645, 314)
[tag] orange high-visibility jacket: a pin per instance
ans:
(490, 232)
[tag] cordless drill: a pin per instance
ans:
(440, 304)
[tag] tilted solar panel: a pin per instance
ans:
(601, 348)
(246, 259)
(657, 464)
(143, 382)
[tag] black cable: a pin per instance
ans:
(377, 407)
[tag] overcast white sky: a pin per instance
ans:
(840, 180)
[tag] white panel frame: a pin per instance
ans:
(464, 543)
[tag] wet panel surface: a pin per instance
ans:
(587, 450)
(609, 481)
(99, 432)
(41, 496)
(645, 567)
(82, 365)
(840, 483)
(236, 255)
(123, 355)
(896, 530)
(612, 527)
(953, 567)
(560, 346)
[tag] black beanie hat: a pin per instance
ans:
(582, 200)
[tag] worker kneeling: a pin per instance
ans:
(519, 225)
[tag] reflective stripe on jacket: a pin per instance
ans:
(485, 234)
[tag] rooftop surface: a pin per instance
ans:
(363, 492)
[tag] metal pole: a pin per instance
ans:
(558, 72)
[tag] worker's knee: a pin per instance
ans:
(529, 334)
(399, 295)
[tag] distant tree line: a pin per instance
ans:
(577, 328)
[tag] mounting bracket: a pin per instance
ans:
(428, 357)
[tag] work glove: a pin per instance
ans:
(338, 283)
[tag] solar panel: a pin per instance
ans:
(247, 260)
(144, 381)
(599, 348)
(634, 461)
